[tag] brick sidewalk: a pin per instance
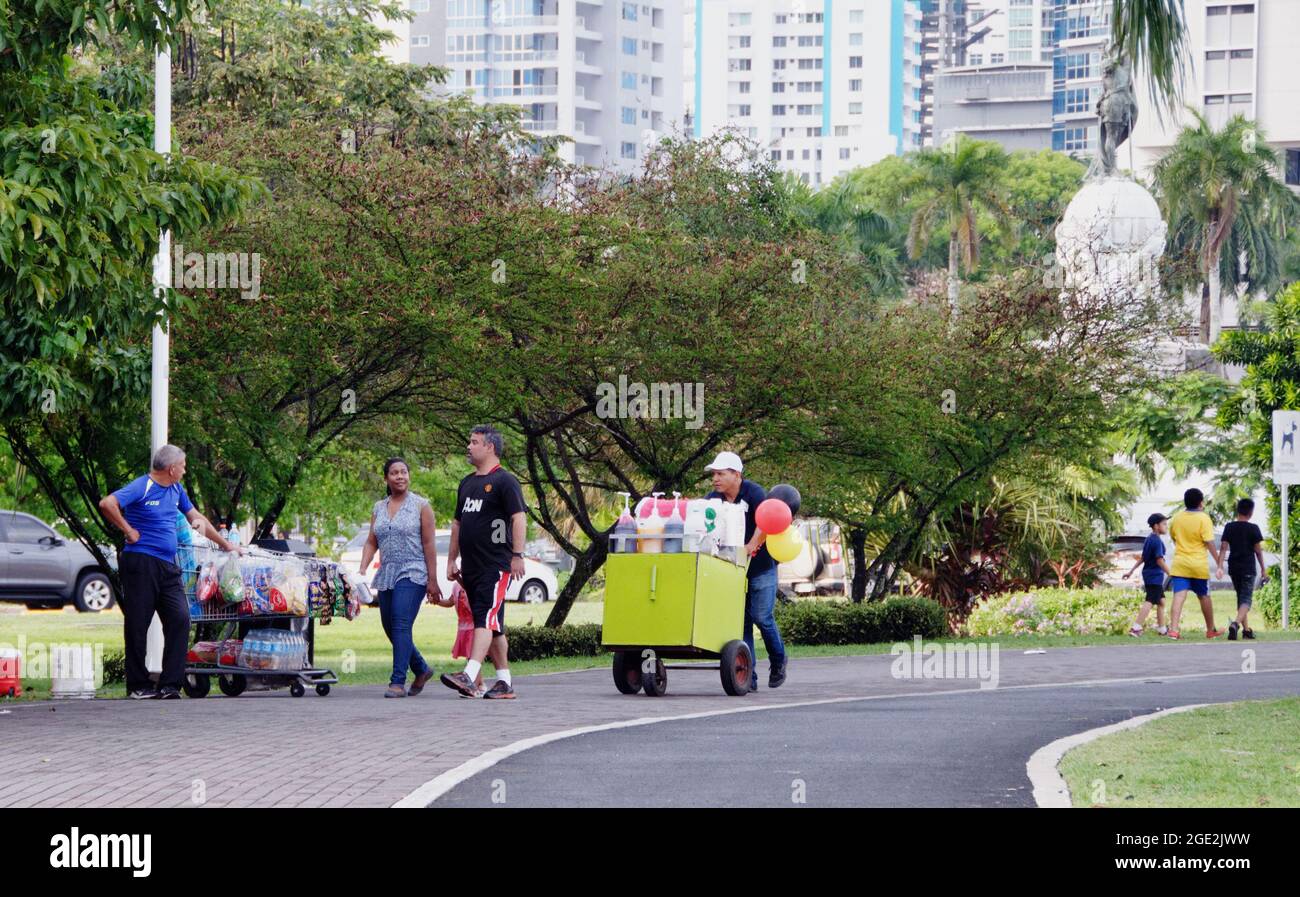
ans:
(354, 748)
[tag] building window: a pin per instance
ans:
(629, 115)
(743, 41)
(744, 87)
(806, 155)
(778, 40)
(629, 12)
(778, 63)
(629, 81)
(855, 39)
(844, 152)
(855, 62)
(778, 110)
(419, 40)
(778, 87)
(855, 85)
(627, 150)
(996, 58)
(775, 155)
(419, 5)
(855, 108)
(739, 19)
(1293, 167)
(1076, 139)
(629, 46)
(780, 18)
(789, 155)
(1078, 65)
(841, 130)
(810, 40)
(741, 65)
(744, 111)
(1078, 100)
(855, 17)
(813, 63)
(976, 59)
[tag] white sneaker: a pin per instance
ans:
(1163, 630)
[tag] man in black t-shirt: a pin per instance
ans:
(1244, 538)
(487, 536)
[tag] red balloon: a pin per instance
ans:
(773, 516)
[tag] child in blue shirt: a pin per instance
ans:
(1154, 569)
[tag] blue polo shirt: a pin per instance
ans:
(151, 510)
(752, 495)
(1153, 549)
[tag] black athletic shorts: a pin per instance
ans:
(1155, 592)
(487, 599)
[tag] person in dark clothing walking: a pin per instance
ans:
(1244, 539)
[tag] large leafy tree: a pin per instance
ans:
(83, 199)
(1219, 188)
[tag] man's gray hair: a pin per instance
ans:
(492, 435)
(166, 456)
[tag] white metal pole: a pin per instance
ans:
(1286, 561)
(162, 279)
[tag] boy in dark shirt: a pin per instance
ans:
(1244, 538)
(1154, 569)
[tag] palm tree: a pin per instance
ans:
(1220, 188)
(838, 210)
(1152, 35)
(952, 185)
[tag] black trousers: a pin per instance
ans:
(151, 586)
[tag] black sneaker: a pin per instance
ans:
(1248, 633)
(1232, 631)
(169, 694)
(776, 678)
(143, 694)
(500, 692)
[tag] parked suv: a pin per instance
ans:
(41, 568)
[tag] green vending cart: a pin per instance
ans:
(678, 606)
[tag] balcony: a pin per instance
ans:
(549, 126)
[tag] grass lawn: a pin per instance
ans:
(435, 630)
(1235, 755)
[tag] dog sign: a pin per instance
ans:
(1286, 461)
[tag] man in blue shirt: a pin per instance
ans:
(145, 510)
(760, 598)
(1154, 570)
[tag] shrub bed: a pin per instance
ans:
(843, 623)
(1055, 612)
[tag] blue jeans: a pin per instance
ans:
(760, 604)
(397, 609)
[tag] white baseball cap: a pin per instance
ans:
(726, 461)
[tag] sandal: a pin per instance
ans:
(395, 691)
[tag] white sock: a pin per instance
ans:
(504, 676)
(471, 669)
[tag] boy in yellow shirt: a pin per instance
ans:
(1193, 535)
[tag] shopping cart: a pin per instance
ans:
(674, 606)
(318, 591)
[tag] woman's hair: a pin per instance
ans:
(388, 490)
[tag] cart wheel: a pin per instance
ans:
(627, 672)
(232, 685)
(196, 686)
(736, 667)
(657, 685)
(323, 689)
(297, 690)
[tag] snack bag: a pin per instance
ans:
(209, 586)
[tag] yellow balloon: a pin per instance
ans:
(785, 545)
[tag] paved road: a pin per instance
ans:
(354, 748)
(966, 750)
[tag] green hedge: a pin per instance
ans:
(541, 642)
(1268, 598)
(1056, 612)
(843, 623)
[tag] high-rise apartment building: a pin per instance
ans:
(821, 86)
(604, 73)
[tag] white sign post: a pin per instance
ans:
(1286, 472)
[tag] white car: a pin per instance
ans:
(537, 586)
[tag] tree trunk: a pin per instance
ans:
(858, 545)
(1205, 311)
(954, 282)
(1214, 290)
(584, 567)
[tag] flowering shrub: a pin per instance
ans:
(1056, 612)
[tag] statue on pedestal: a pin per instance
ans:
(1117, 109)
